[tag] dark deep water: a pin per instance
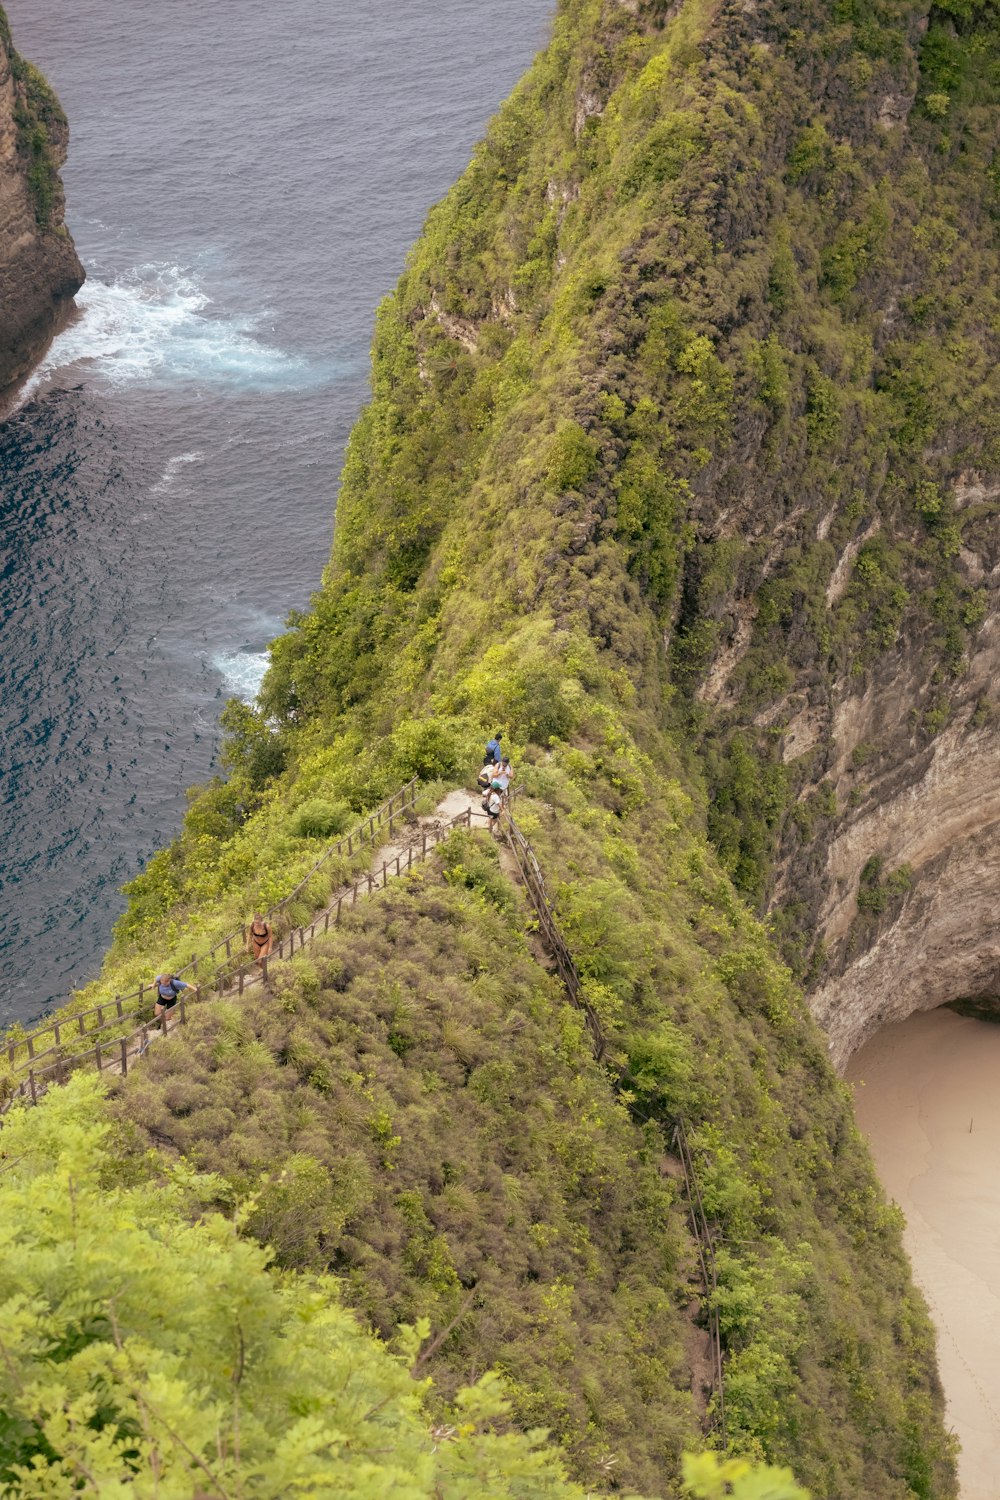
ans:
(243, 183)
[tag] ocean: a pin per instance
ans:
(243, 183)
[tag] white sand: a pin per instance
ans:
(918, 1086)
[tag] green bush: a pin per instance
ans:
(319, 819)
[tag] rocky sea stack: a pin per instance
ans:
(40, 272)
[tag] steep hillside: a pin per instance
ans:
(658, 477)
(39, 270)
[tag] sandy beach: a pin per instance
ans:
(927, 1095)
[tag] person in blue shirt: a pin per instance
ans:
(492, 749)
(168, 987)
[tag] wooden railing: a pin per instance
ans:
(534, 884)
(50, 1038)
(118, 1054)
(704, 1240)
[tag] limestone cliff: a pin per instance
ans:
(39, 269)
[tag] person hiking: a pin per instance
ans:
(485, 776)
(260, 937)
(493, 806)
(492, 750)
(501, 780)
(168, 987)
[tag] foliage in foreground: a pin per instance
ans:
(147, 1351)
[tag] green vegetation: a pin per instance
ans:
(147, 1352)
(38, 116)
(726, 291)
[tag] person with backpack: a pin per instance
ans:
(492, 754)
(485, 777)
(168, 987)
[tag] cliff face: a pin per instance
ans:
(39, 269)
(839, 632)
(907, 902)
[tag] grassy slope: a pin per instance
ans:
(652, 299)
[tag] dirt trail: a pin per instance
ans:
(452, 806)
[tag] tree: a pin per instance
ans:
(147, 1351)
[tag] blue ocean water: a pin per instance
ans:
(243, 183)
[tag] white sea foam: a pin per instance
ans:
(157, 324)
(175, 467)
(242, 672)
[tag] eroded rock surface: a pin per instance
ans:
(40, 272)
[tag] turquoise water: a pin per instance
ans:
(243, 183)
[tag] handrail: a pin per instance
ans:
(365, 831)
(534, 884)
(703, 1238)
(121, 1049)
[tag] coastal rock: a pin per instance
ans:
(40, 272)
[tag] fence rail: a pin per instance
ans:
(534, 884)
(704, 1239)
(25, 1053)
(117, 1054)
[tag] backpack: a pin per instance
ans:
(485, 777)
(492, 750)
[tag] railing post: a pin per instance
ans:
(118, 1001)
(97, 1055)
(229, 948)
(31, 1048)
(56, 1032)
(194, 965)
(423, 842)
(384, 874)
(81, 1026)
(241, 980)
(182, 1014)
(350, 851)
(340, 901)
(326, 920)
(31, 1085)
(369, 882)
(124, 1051)
(398, 870)
(263, 967)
